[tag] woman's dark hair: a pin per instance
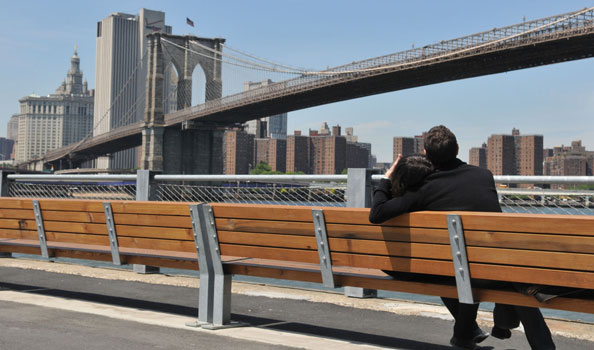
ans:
(440, 145)
(410, 173)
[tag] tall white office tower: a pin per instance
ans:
(120, 76)
(274, 126)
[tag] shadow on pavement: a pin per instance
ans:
(262, 322)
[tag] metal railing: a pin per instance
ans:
(318, 190)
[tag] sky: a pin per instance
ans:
(38, 37)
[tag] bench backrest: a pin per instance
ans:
(530, 248)
(142, 228)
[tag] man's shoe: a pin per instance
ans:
(462, 343)
(479, 335)
(500, 333)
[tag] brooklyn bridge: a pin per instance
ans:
(188, 138)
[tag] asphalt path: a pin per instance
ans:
(292, 323)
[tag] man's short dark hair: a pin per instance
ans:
(441, 145)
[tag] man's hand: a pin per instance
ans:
(393, 167)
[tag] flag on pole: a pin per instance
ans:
(189, 22)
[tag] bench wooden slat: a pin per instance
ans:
(554, 260)
(151, 208)
(530, 241)
(576, 225)
(17, 234)
(265, 226)
(153, 220)
(71, 205)
(157, 244)
(23, 214)
(573, 279)
(71, 216)
(255, 211)
(15, 203)
(17, 224)
(183, 234)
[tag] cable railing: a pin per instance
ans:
(530, 195)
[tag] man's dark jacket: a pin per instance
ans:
(456, 186)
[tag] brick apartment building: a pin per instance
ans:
(272, 152)
(238, 152)
(477, 156)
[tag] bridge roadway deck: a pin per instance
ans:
(73, 307)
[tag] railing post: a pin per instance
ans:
(144, 182)
(4, 193)
(3, 183)
(359, 195)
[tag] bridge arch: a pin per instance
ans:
(186, 54)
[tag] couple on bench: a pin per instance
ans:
(440, 181)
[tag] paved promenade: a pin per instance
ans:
(63, 306)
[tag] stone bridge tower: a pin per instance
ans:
(192, 148)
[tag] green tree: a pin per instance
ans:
(261, 169)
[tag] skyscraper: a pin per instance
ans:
(121, 76)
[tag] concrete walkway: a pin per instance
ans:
(63, 306)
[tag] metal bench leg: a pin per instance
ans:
(215, 285)
(206, 291)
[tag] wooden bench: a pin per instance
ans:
(333, 246)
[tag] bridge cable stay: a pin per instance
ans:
(291, 70)
(97, 122)
(271, 63)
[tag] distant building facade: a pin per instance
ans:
(408, 145)
(274, 126)
(477, 156)
(357, 155)
(272, 152)
(404, 146)
(12, 129)
(121, 77)
(49, 122)
(572, 160)
(298, 153)
(515, 154)
(238, 152)
(6, 146)
(324, 151)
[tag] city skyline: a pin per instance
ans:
(537, 100)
